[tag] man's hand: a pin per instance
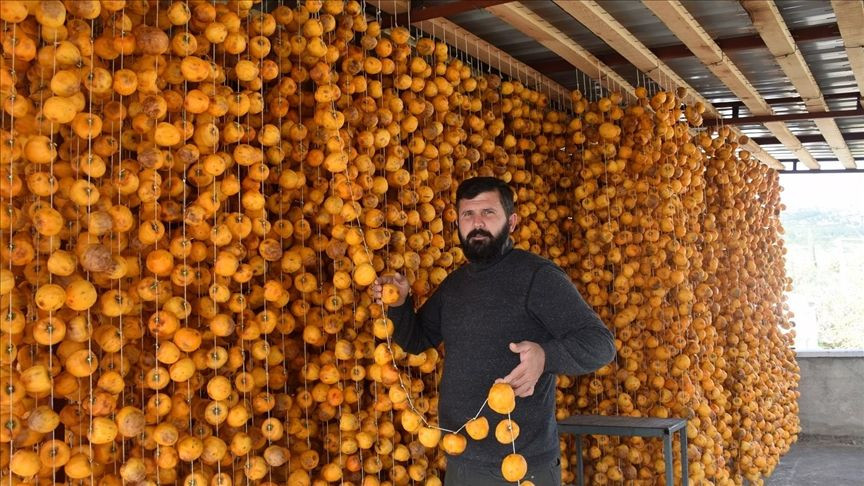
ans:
(524, 376)
(398, 281)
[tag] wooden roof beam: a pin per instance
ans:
(678, 20)
(850, 19)
(771, 26)
(459, 38)
(590, 14)
(532, 25)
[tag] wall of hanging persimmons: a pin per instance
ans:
(196, 197)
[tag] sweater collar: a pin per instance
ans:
(483, 265)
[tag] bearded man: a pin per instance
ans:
(507, 316)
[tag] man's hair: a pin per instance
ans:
(471, 188)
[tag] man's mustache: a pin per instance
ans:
(479, 232)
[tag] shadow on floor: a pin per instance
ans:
(821, 461)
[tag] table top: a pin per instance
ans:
(596, 424)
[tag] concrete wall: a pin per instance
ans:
(832, 393)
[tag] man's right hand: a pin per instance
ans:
(395, 283)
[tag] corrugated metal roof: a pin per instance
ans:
(763, 72)
(502, 35)
(851, 124)
(641, 23)
(563, 22)
(804, 13)
(720, 18)
(829, 64)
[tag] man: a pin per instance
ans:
(508, 315)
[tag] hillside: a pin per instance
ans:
(822, 227)
(825, 260)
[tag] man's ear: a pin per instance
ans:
(512, 221)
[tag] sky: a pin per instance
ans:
(823, 191)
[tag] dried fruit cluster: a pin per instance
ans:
(679, 248)
(197, 195)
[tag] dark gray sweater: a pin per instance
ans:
(477, 312)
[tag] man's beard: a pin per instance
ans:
(484, 250)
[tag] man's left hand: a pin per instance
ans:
(524, 376)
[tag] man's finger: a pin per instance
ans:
(516, 375)
(522, 391)
(518, 371)
(522, 379)
(520, 384)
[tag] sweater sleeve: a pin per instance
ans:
(417, 331)
(580, 342)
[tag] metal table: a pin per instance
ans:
(580, 425)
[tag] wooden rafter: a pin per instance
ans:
(678, 20)
(590, 14)
(595, 18)
(481, 50)
(532, 25)
(771, 26)
(850, 19)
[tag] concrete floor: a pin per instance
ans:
(821, 461)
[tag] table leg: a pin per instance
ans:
(667, 456)
(682, 433)
(580, 480)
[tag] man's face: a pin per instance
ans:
(484, 226)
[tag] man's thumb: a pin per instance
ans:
(516, 347)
